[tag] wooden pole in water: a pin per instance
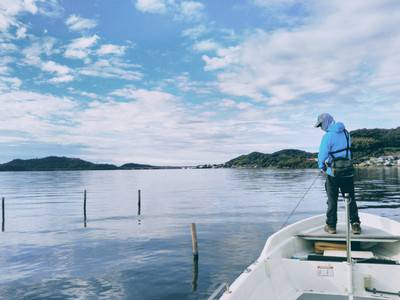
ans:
(84, 208)
(195, 250)
(139, 202)
(194, 240)
(2, 214)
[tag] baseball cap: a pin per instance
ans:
(321, 119)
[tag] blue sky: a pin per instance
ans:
(189, 82)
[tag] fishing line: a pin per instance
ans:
(301, 199)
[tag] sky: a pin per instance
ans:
(176, 82)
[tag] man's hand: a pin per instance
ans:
(323, 169)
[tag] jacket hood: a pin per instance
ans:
(336, 127)
(325, 120)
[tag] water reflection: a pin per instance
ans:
(131, 251)
(195, 272)
(378, 188)
(3, 214)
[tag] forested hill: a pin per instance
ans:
(366, 143)
(375, 142)
(54, 163)
(289, 158)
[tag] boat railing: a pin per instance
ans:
(223, 287)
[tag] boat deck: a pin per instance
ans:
(368, 234)
(328, 297)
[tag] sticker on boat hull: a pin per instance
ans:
(325, 271)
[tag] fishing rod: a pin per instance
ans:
(301, 199)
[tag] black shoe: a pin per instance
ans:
(330, 229)
(356, 228)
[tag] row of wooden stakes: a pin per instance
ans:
(193, 225)
(195, 249)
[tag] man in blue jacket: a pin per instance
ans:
(336, 144)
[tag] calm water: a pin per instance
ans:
(46, 252)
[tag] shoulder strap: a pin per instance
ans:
(347, 140)
(344, 149)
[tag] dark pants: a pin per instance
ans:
(332, 186)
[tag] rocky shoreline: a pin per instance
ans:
(381, 161)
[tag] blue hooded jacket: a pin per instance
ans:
(334, 139)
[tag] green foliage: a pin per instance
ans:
(53, 163)
(288, 158)
(368, 143)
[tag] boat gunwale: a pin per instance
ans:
(291, 231)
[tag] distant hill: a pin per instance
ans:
(374, 143)
(55, 163)
(288, 158)
(366, 143)
(132, 166)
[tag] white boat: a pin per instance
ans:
(289, 268)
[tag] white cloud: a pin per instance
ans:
(183, 10)
(53, 67)
(4, 62)
(168, 130)
(151, 117)
(61, 79)
(152, 6)
(205, 46)
(229, 103)
(108, 49)
(112, 68)
(84, 42)
(33, 57)
(243, 105)
(149, 126)
(50, 8)
(7, 47)
(89, 95)
(42, 47)
(191, 10)
(195, 32)
(76, 53)
(21, 32)
(271, 3)
(20, 103)
(77, 23)
(10, 9)
(32, 114)
(84, 94)
(225, 57)
(8, 83)
(143, 95)
(339, 45)
(186, 84)
(4, 69)
(45, 48)
(80, 48)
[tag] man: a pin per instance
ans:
(335, 145)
